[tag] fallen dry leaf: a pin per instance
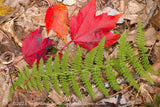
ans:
(156, 20)
(4, 9)
(4, 87)
(58, 99)
(69, 2)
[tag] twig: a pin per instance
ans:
(49, 3)
(62, 48)
(12, 64)
(118, 100)
(8, 73)
(152, 48)
(122, 90)
(150, 15)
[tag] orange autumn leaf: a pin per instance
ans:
(57, 19)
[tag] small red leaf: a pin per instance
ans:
(34, 47)
(57, 19)
(88, 30)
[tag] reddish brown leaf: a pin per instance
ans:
(87, 29)
(57, 19)
(34, 47)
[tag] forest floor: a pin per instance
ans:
(29, 15)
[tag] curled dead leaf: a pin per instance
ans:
(7, 57)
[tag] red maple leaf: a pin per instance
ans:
(34, 47)
(57, 19)
(87, 29)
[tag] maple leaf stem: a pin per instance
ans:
(49, 3)
(62, 48)
(28, 79)
(12, 64)
(65, 45)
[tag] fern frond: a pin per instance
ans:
(37, 76)
(41, 74)
(74, 84)
(41, 68)
(133, 60)
(53, 77)
(120, 64)
(121, 54)
(48, 74)
(46, 83)
(38, 81)
(96, 74)
(63, 75)
(56, 69)
(76, 67)
(49, 66)
(88, 62)
(123, 71)
(140, 41)
(111, 76)
(34, 72)
(56, 64)
(28, 75)
(100, 53)
(22, 79)
(12, 88)
(11, 91)
(84, 74)
(147, 66)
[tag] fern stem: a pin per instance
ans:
(123, 90)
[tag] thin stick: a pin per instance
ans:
(62, 48)
(150, 15)
(121, 90)
(49, 3)
(152, 48)
(12, 64)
